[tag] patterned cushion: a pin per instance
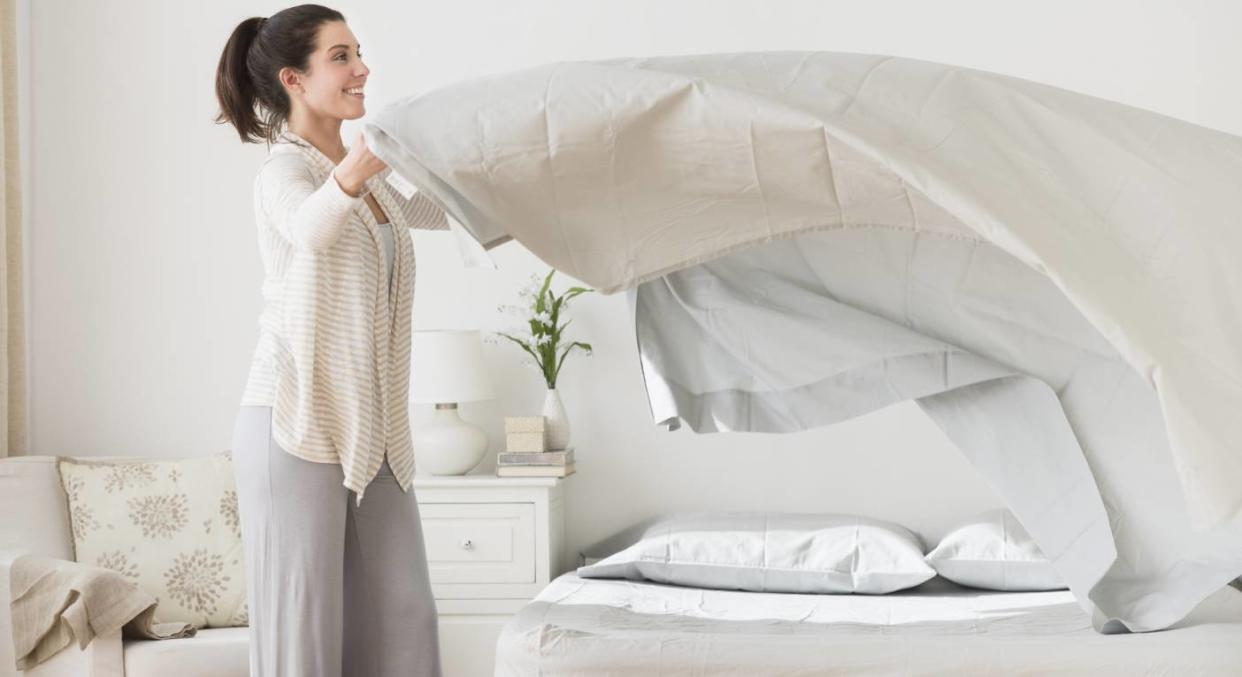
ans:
(169, 525)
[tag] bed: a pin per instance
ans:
(598, 627)
(806, 237)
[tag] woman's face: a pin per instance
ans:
(332, 85)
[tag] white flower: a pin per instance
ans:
(531, 290)
(517, 312)
(545, 339)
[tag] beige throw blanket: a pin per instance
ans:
(56, 601)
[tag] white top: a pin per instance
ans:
(333, 356)
(390, 248)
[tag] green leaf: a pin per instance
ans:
(570, 347)
(556, 314)
(543, 291)
(557, 336)
(522, 344)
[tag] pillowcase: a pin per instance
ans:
(993, 552)
(771, 552)
(611, 545)
(171, 526)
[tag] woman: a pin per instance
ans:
(336, 585)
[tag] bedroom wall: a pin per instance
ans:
(145, 273)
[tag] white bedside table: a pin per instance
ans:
(492, 544)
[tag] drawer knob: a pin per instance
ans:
(467, 544)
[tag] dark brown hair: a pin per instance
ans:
(247, 82)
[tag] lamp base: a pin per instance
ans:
(447, 445)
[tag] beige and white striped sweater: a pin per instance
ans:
(333, 357)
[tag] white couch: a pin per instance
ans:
(34, 517)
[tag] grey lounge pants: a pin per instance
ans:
(333, 588)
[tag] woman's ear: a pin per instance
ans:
(291, 80)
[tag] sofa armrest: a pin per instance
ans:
(103, 657)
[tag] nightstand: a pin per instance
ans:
(492, 544)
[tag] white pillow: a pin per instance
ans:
(993, 552)
(771, 552)
(171, 526)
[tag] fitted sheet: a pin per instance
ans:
(579, 626)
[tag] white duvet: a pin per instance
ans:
(1051, 276)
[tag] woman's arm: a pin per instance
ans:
(423, 214)
(310, 214)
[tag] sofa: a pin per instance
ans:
(34, 517)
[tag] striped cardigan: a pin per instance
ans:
(333, 357)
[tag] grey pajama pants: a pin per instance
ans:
(333, 588)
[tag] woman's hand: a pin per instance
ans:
(358, 166)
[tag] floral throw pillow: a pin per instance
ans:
(171, 526)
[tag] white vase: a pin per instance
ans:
(557, 421)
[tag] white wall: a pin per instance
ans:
(22, 16)
(145, 272)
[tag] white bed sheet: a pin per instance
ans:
(577, 626)
(618, 172)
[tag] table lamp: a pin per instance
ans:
(447, 369)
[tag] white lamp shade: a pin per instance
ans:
(448, 367)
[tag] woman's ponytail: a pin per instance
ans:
(234, 88)
(247, 79)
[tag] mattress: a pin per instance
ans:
(578, 626)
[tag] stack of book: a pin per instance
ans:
(526, 451)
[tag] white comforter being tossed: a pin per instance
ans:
(621, 172)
